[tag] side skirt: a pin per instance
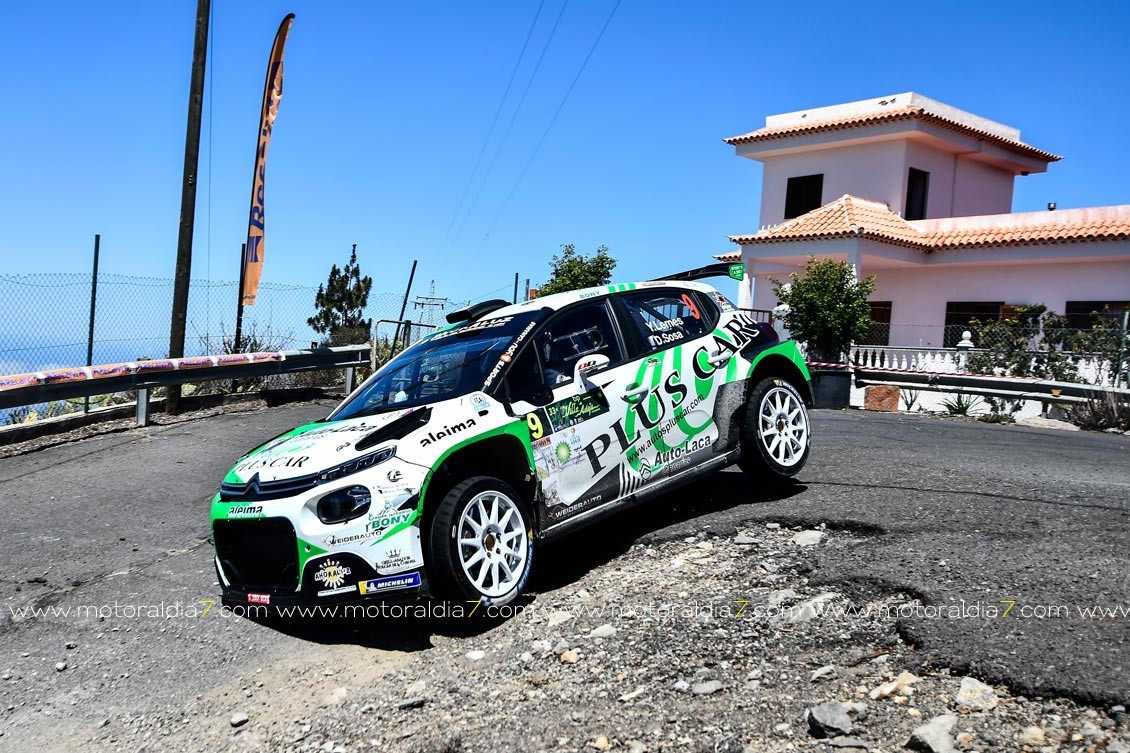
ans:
(648, 492)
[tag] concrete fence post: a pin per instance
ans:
(963, 347)
(143, 406)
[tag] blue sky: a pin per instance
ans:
(387, 106)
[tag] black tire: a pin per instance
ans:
(501, 548)
(769, 416)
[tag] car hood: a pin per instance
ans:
(311, 448)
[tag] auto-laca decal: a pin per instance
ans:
(674, 426)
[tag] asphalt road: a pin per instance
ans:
(945, 510)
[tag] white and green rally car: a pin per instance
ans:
(443, 471)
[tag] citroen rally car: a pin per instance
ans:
(440, 474)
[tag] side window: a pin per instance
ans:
(664, 318)
(524, 380)
(580, 331)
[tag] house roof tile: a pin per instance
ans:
(910, 112)
(850, 216)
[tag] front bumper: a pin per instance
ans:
(359, 584)
(278, 551)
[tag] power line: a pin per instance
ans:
(506, 133)
(493, 123)
(544, 135)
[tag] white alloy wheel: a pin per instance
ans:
(492, 543)
(783, 426)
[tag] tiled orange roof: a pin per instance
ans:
(911, 112)
(1060, 226)
(850, 216)
(846, 216)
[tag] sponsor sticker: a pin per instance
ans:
(447, 431)
(245, 511)
(336, 591)
(393, 583)
(389, 519)
(332, 574)
(479, 402)
(258, 598)
(396, 560)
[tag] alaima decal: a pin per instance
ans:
(446, 431)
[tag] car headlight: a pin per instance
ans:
(344, 504)
(357, 464)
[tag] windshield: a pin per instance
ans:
(446, 365)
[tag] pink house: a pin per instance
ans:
(919, 193)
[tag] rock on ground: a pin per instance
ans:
(934, 736)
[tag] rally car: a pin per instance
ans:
(441, 473)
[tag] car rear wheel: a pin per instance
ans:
(482, 542)
(775, 435)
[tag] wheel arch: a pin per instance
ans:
(503, 454)
(779, 365)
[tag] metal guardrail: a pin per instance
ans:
(60, 384)
(978, 384)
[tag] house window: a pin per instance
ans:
(802, 194)
(917, 189)
(959, 314)
(880, 332)
(1081, 314)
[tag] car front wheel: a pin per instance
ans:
(482, 542)
(775, 436)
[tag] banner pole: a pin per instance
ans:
(237, 344)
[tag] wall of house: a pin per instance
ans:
(872, 171)
(980, 188)
(919, 295)
(940, 165)
(959, 186)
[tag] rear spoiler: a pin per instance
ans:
(476, 311)
(735, 271)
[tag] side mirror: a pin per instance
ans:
(586, 367)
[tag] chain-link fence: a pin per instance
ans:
(45, 318)
(45, 324)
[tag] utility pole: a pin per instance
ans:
(404, 305)
(515, 288)
(188, 197)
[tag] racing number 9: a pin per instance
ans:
(536, 429)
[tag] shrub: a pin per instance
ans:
(828, 308)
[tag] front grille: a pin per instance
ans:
(258, 491)
(258, 554)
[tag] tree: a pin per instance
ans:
(828, 307)
(341, 303)
(573, 271)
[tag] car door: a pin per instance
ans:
(576, 421)
(670, 427)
